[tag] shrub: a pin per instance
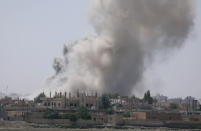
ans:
(127, 115)
(174, 106)
(51, 115)
(84, 114)
(71, 117)
(110, 111)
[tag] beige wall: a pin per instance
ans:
(15, 113)
(138, 115)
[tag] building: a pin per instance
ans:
(175, 100)
(191, 104)
(64, 101)
(16, 115)
(124, 103)
(160, 98)
(99, 117)
(153, 115)
(138, 115)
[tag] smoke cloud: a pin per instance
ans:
(128, 35)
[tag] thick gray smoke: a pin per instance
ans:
(129, 33)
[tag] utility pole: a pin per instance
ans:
(6, 90)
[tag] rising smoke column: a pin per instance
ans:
(129, 33)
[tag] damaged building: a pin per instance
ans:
(68, 101)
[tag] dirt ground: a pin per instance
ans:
(24, 126)
(13, 124)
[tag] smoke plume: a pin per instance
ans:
(128, 35)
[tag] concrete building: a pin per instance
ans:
(191, 104)
(160, 98)
(16, 115)
(175, 100)
(153, 115)
(64, 101)
(99, 117)
(124, 103)
(138, 115)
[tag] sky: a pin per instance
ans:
(33, 32)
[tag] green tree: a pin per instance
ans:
(49, 114)
(37, 99)
(110, 111)
(126, 115)
(84, 114)
(104, 102)
(174, 106)
(71, 117)
(147, 97)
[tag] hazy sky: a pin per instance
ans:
(33, 32)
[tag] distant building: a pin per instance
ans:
(63, 101)
(191, 104)
(160, 98)
(175, 100)
(153, 115)
(124, 103)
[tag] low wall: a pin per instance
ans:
(49, 121)
(143, 123)
(88, 122)
(79, 123)
(183, 125)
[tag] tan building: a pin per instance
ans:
(138, 115)
(155, 116)
(60, 101)
(53, 102)
(99, 117)
(15, 115)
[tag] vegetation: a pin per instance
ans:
(146, 107)
(110, 111)
(84, 114)
(49, 114)
(174, 106)
(104, 102)
(37, 99)
(127, 115)
(148, 98)
(119, 105)
(71, 117)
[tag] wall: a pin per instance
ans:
(138, 115)
(49, 121)
(163, 116)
